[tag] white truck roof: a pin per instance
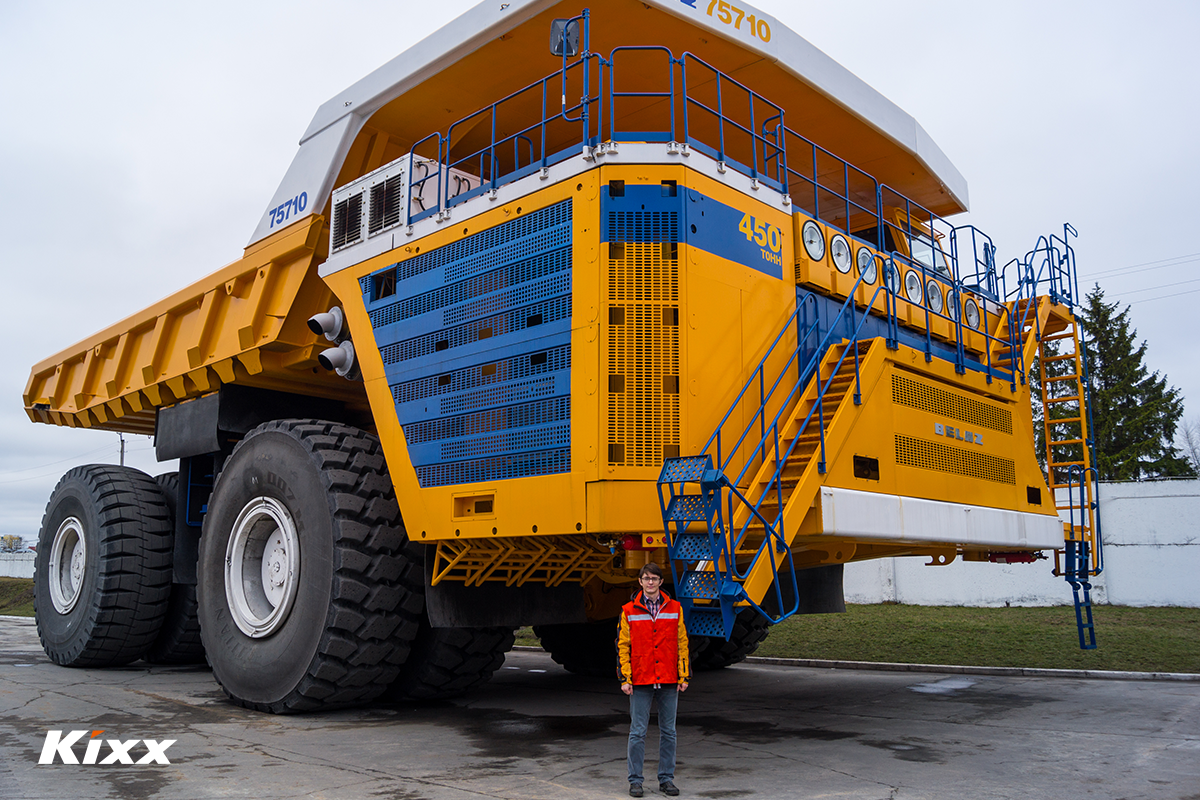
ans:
(324, 145)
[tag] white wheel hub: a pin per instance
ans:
(262, 567)
(68, 563)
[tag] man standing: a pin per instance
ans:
(653, 647)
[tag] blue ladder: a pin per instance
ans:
(1077, 573)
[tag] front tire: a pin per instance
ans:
(103, 567)
(750, 628)
(584, 648)
(308, 596)
(447, 662)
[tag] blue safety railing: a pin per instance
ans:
(706, 96)
(694, 104)
(1048, 268)
(721, 491)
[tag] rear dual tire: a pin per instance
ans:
(103, 576)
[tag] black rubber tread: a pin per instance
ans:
(749, 630)
(446, 662)
(127, 579)
(178, 640)
(359, 569)
(584, 648)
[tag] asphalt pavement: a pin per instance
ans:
(536, 731)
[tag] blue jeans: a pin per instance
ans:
(667, 698)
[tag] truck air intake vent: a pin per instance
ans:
(914, 394)
(920, 453)
(347, 222)
(386, 199)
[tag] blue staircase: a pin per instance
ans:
(709, 596)
(722, 537)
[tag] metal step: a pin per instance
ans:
(696, 585)
(705, 621)
(688, 508)
(690, 468)
(692, 546)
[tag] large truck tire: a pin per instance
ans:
(309, 597)
(446, 662)
(749, 630)
(103, 567)
(178, 640)
(584, 648)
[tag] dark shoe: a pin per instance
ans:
(668, 788)
(635, 790)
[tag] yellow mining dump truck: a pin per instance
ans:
(536, 303)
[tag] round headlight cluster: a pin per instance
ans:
(971, 314)
(891, 276)
(912, 286)
(866, 265)
(839, 251)
(814, 240)
(934, 293)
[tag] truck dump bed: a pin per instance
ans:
(244, 324)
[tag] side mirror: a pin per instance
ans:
(564, 37)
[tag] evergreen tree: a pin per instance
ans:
(1134, 412)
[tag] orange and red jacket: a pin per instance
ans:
(653, 650)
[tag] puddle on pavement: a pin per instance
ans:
(946, 686)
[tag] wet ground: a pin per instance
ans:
(538, 732)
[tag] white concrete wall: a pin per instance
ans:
(17, 565)
(1151, 533)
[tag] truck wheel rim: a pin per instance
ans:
(68, 561)
(262, 567)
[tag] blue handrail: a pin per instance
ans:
(614, 95)
(698, 111)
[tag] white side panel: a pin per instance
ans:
(802, 59)
(310, 176)
(884, 517)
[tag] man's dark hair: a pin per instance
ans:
(650, 568)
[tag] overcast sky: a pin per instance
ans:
(140, 142)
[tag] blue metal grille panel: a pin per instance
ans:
(558, 308)
(706, 622)
(469, 249)
(475, 340)
(493, 419)
(495, 468)
(473, 287)
(518, 440)
(522, 366)
(501, 395)
(699, 585)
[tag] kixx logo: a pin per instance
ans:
(61, 746)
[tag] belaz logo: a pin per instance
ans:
(957, 433)
(60, 746)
